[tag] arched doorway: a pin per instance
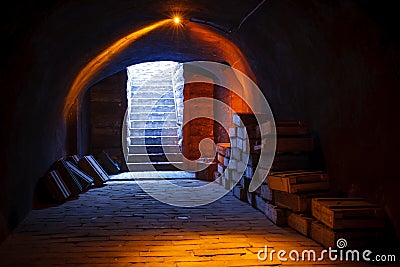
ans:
(154, 116)
(200, 42)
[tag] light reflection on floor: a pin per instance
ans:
(152, 175)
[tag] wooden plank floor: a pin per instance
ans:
(120, 225)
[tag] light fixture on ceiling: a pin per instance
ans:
(177, 20)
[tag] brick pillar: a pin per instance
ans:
(200, 128)
(223, 114)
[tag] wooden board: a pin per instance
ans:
(239, 192)
(291, 161)
(355, 238)
(74, 159)
(232, 131)
(287, 128)
(300, 203)
(89, 165)
(275, 214)
(241, 132)
(251, 198)
(230, 179)
(241, 166)
(218, 177)
(298, 181)
(266, 193)
(253, 159)
(221, 158)
(226, 160)
(249, 172)
(348, 213)
(232, 164)
(221, 148)
(221, 168)
(85, 180)
(301, 176)
(294, 144)
(236, 153)
(228, 153)
(290, 144)
(105, 160)
(56, 186)
(68, 177)
(226, 182)
(301, 223)
(291, 127)
(249, 132)
(259, 203)
(245, 182)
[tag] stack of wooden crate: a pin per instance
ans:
(263, 199)
(237, 158)
(293, 150)
(223, 156)
(285, 193)
(244, 137)
(294, 144)
(91, 166)
(291, 165)
(293, 192)
(359, 222)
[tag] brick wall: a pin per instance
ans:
(107, 106)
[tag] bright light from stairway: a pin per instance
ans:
(154, 116)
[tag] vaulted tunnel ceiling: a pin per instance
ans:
(332, 63)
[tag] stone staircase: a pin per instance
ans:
(152, 123)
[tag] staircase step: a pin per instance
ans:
(158, 87)
(152, 94)
(152, 101)
(172, 131)
(152, 87)
(154, 116)
(134, 124)
(152, 149)
(153, 108)
(154, 79)
(168, 157)
(154, 140)
(159, 166)
(153, 131)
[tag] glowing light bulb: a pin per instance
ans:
(177, 20)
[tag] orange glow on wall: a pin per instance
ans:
(225, 49)
(202, 36)
(222, 46)
(95, 65)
